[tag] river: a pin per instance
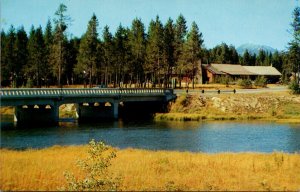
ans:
(210, 137)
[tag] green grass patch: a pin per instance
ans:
(291, 109)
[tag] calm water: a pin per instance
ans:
(183, 136)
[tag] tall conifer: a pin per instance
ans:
(192, 50)
(87, 56)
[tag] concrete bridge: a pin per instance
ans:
(33, 105)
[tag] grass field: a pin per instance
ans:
(154, 170)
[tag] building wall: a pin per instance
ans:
(208, 77)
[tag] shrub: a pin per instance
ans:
(185, 100)
(223, 80)
(260, 81)
(29, 83)
(295, 88)
(245, 83)
(95, 167)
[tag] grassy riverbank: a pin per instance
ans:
(279, 107)
(154, 170)
(204, 117)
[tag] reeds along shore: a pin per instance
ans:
(154, 170)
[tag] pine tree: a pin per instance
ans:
(192, 50)
(234, 57)
(137, 43)
(225, 55)
(246, 58)
(268, 59)
(108, 57)
(87, 57)
(100, 62)
(122, 53)
(4, 69)
(8, 65)
(48, 39)
(294, 45)
(72, 53)
(168, 50)
(260, 58)
(286, 67)
(180, 38)
(36, 67)
(48, 34)
(58, 49)
(253, 59)
(277, 61)
(154, 50)
(21, 52)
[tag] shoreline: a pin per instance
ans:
(9, 118)
(84, 146)
(199, 117)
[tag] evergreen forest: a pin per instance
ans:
(132, 55)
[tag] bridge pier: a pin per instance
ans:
(116, 110)
(37, 114)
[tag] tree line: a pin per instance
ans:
(129, 56)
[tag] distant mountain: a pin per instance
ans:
(253, 48)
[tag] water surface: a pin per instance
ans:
(208, 137)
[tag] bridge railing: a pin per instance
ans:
(65, 92)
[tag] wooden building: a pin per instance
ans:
(212, 71)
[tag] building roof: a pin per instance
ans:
(231, 69)
(263, 70)
(213, 70)
(236, 69)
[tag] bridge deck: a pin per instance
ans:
(16, 97)
(65, 92)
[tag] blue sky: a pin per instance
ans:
(231, 21)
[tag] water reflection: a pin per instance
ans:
(166, 135)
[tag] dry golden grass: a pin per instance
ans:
(155, 170)
(7, 110)
(281, 107)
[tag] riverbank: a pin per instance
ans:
(154, 170)
(278, 107)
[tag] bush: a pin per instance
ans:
(260, 81)
(245, 83)
(185, 100)
(223, 80)
(295, 88)
(29, 83)
(97, 177)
